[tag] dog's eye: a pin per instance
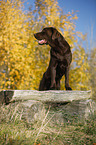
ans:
(43, 31)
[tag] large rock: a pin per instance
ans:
(60, 106)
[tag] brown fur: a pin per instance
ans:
(60, 59)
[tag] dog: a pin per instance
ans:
(60, 59)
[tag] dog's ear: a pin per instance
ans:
(55, 35)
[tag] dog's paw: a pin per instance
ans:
(68, 88)
(53, 87)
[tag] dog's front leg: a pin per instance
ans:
(53, 75)
(53, 66)
(67, 79)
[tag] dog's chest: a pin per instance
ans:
(58, 55)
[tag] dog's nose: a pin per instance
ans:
(34, 34)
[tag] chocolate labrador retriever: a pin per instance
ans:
(60, 59)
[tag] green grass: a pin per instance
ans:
(16, 131)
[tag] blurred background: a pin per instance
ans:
(23, 61)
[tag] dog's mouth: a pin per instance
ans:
(43, 41)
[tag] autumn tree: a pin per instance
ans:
(12, 44)
(22, 60)
(79, 74)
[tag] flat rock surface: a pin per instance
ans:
(44, 96)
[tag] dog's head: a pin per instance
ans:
(47, 36)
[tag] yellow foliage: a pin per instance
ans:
(79, 74)
(22, 60)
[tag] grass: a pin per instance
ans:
(15, 130)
